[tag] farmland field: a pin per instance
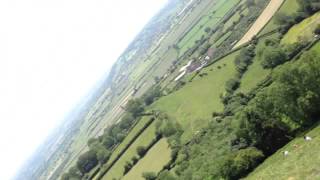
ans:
(144, 140)
(148, 162)
(190, 105)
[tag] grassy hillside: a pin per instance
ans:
(302, 31)
(193, 105)
(302, 161)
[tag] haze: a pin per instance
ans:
(51, 54)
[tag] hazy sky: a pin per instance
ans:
(51, 53)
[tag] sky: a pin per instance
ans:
(51, 53)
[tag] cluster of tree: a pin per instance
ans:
(273, 54)
(294, 96)
(151, 95)
(242, 61)
(100, 148)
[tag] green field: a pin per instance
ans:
(129, 137)
(193, 105)
(302, 31)
(210, 20)
(289, 7)
(253, 76)
(151, 161)
(144, 140)
(301, 163)
(230, 22)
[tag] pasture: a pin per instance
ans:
(193, 104)
(302, 161)
(302, 31)
(143, 140)
(158, 156)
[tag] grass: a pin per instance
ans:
(301, 163)
(144, 139)
(193, 104)
(253, 76)
(303, 30)
(151, 161)
(220, 9)
(129, 137)
(223, 38)
(229, 23)
(289, 7)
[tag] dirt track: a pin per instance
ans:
(262, 20)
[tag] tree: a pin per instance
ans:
(87, 161)
(126, 121)
(108, 141)
(141, 151)
(149, 176)
(103, 155)
(135, 107)
(207, 29)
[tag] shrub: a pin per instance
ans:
(149, 175)
(273, 57)
(232, 85)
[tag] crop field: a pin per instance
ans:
(148, 162)
(190, 105)
(144, 140)
(302, 31)
(288, 7)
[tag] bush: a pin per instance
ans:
(232, 85)
(241, 163)
(127, 167)
(317, 30)
(273, 57)
(141, 151)
(166, 175)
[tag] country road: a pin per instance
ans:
(262, 20)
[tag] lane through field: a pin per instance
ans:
(262, 20)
